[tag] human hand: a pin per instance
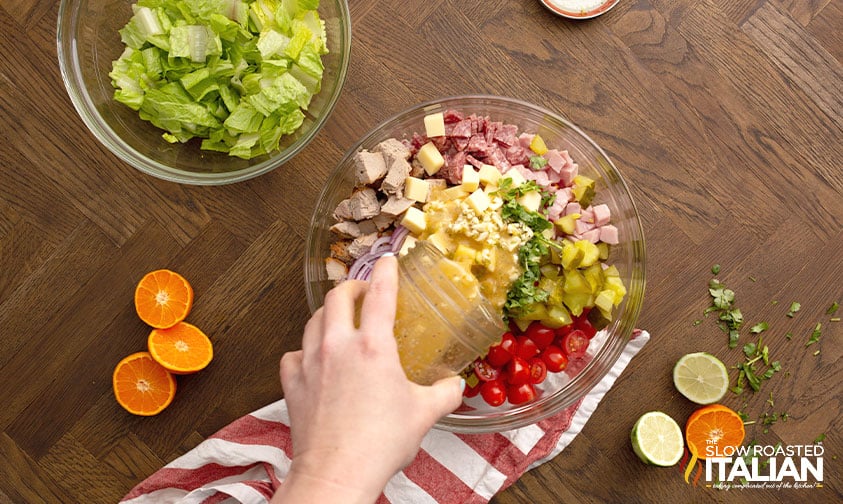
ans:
(355, 417)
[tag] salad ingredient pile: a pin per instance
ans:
(237, 73)
(515, 213)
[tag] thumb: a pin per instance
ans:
(444, 396)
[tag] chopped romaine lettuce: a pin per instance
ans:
(236, 73)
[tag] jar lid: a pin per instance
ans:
(579, 9)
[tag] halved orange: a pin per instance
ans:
(163, 298)
(181, 349)
(714, 431)
(142, 386)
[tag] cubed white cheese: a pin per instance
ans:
(430, 158)
(416, 189)
(434, 125)
(409, 242)
(478, 200)
(414, 220)
(489, 175)
(452, 193)
(464, 253)
(531, 201)
(440, 240)
(470, 178)
(515, 175)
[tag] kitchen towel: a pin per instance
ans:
(246, 460)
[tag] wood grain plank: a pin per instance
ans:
(809, 65)
(29, 373)
(825, 29)
(81, 474)
(22, 251)
(803, 11)
(24, 480)
(132, 459)
(51, 287)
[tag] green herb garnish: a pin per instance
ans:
(715, 269)
(537, 162)
(815, 335)
(794, 307)
(759, 328)
(833, 308)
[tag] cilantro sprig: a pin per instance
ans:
(723, 302)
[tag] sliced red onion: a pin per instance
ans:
(363, 266)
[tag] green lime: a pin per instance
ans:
(657, 439)
(701, 377)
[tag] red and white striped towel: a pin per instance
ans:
(246, 460)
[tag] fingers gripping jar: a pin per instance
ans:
(442, 321)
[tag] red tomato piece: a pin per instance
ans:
(584, 325)
(575, 343)
(520, 394)
(500, 353)
(517, 371)
(526, 348)
(541, 335)
(563, 331)
(555, 359)
(472, 391)
(493, 392)
(538, 370)
(485, 371)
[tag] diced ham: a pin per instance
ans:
(592, 235)
(602, 214)
(609, 234)
(554, 160)
(369, 167)
(346, 229)
(364, 204)
(573, 208)
(581, 226)
(567, 174)
(337, 270)
(525, 139)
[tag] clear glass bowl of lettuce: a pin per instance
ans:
(204, 92)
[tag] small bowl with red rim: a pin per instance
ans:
(579, 9)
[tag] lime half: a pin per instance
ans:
(701, 377)
(657, 439)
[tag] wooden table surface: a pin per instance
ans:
(724, 116)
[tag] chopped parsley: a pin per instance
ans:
(525, 290)
(833, 308)
(815, 335)
(537, 162)
(756, 368)
(794, 307)
(722, 301)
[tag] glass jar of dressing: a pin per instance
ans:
(442, 320)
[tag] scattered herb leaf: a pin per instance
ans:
(833, 308)
(759, 328)
(794, 307)
(715, 269)
(819, 439)
(815, 335)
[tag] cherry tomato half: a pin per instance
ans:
(517, 371)
(493, 392)
(542, 336)
(485, 371)
(538, 370)
(526, 348)
(472, 391)
(500, 353)
(584, 325)
(520, 394)
(555, 359)
(575, 343)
